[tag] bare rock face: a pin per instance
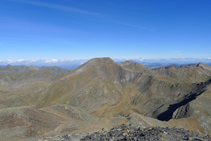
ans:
(204, 67)
(183, 112)
(179, 106)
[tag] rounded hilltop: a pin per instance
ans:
(133, 66)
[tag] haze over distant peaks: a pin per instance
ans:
(72, 64)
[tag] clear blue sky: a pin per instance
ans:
(78, 29)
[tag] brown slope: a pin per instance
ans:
(17, 88)
(97, 82)
(122, 89)
(23, 122)
(27, 122)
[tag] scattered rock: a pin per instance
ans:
(148, 134)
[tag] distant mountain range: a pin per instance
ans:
(101, 94)
(73, 64)
(23, 68)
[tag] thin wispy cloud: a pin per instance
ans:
(51, 61)
(183, 58)
(130, 25)
(60, 7)
(21, 60)
(32, 61)
(76, 10)
(135, 26)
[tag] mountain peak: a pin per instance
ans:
(101, 60)
(203, 66)
(127, 62)
(10, 68)
(133, 66)
(91, 64)
(131, 63)
(200, 64)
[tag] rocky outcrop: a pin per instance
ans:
(130, 133)
(148, 134)
(203, 66)
(183, 112)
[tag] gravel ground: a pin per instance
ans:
(130, 133)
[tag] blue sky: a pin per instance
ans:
(84, 29)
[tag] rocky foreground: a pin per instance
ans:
(131, 133)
